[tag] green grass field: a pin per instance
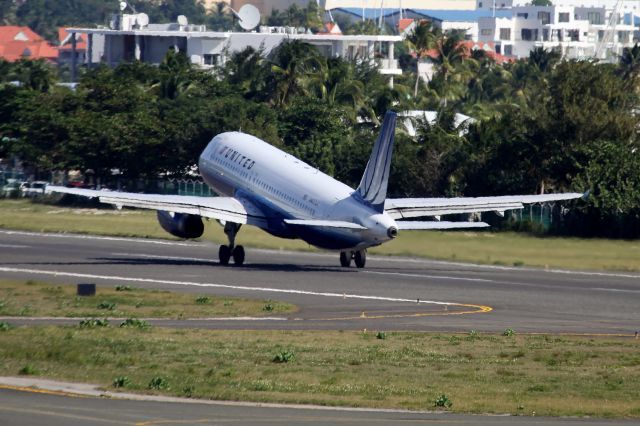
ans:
(38, 299)
(524, 375)
(486, 247)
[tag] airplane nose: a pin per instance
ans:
(392, 232)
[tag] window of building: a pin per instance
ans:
(486, 31)
(508, 50)
(563, 17)
(210, 59)
(505, 33)
(479, 5)
(574, 35)
(526, 34)
(523, 15)
(544, 17)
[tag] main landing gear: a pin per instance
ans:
(227, 252)
(359, 256)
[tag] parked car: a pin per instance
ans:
(33, 189)
(11, 189)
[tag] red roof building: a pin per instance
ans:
(66, 49)
(21, 42)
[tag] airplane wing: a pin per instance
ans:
(408, 225)
(220, 208)
(419, 207)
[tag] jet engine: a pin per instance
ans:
(181, 225)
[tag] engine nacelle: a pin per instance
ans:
(181, 225)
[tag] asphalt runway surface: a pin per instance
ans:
(389, 294)
(58, 409)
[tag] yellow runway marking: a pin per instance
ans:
(44, 391)
(475, 309)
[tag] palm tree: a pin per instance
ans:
(290, 63)
(421, 40)
(629, 63)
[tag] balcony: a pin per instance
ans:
(388, 66)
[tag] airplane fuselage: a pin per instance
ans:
(284, 187)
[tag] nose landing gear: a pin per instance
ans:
(359, 256)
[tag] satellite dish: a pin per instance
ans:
(182, 20)
(142, 19)
(249, 16)
(123, 5)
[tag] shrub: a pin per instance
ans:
(110, 306)
(443, 401)
(381, 335)
(121, 381)
(158, 383)
(203, 300)
(188, 391)
(268, 307)
(5, 326)
(28, 370)
(124, 288)
(93, 323)
(508, 332)
(282, 357)
(134, 323)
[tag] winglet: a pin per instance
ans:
(586, 194)
(373, 186)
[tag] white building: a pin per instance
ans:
(150, 43)
(576, 32)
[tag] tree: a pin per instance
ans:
(421, 40)
(290, 62)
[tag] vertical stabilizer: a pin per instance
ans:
(373, 186)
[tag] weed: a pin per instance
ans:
(2, 304)
(443, 401)
(228, 303)
(134, 323)
(30, 282)
(109, 306)
(188, 391)
(93, 323)
(381, 335)
(282, 357)
(25, 311)
(124, 288)
(5, 326)
(473, 333)
(508, 332)
(28, 370)
(203, 300)
(268, 307)
(159, 383)
(121, 382)
(518, 263)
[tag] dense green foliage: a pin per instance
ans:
(540, 125)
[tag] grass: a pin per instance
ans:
(475, 373)
(486, 247)
(32, 298)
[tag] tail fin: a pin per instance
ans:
(373, 186)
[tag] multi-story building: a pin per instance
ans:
(133, 38)
(576, 32)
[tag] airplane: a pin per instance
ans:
(263, 186)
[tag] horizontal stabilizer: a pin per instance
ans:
(324, 223)
(407, 225)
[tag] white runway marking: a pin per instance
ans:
(155, 256)
(226, 286)
(441, 277)
(618, 290)
(95, 237)
(13, 246)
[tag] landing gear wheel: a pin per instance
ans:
(224, 254)
(238, 255)
(361, 258)
(345, 258)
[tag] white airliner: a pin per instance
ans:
(268, 188)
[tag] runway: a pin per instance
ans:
(390, 294)
(59, 409)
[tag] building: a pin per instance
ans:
(21, 42)
(576, 32)
(135, 39)
(66, 48)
